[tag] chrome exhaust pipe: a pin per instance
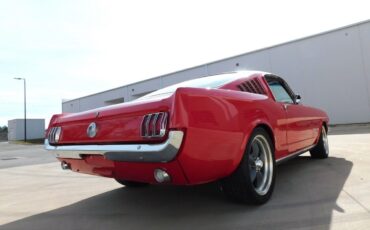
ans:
(65, 165)
(161, 176)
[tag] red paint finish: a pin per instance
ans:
(116, 124)
(217, 125)
(141, 172)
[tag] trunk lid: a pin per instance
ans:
(114, 124)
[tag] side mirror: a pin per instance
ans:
(297, 99)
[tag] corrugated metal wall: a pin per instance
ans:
(330, 70)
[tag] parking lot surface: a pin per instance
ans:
(309, 194)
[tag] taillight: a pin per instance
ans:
(154, 125)
(54, 135)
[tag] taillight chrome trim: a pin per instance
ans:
(54, 135)
(154, 124)
(149, 123)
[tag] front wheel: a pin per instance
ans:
(254, 179)
(321, 150)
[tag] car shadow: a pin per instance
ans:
(305, 196)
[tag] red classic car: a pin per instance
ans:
(232, 128)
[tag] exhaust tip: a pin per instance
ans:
(65, 165)
(161, 176)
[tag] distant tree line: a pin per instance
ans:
(3, 133)
(3, 129)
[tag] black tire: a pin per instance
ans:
(240, 186)
(133, 184)
(321, 150)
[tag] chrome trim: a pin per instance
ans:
(57, 134)
(49, 134)
(161, 176)
(295, 154)
(53, 131)
(162, 152)
(162, 131)
(151, 120)
(154, 123)
(147, 122)
(92, 130)
(52, 135)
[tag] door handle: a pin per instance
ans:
(285, 106)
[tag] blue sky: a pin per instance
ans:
(67, 49)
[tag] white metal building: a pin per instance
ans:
(330, 70)
(35, 129)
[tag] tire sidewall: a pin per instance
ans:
(326, 148)
(244, 166)
(319, 151)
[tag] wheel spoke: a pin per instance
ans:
(251, 159)
(253, 174)
(259, 164)
(255, 150)
(259, 178)
(262, 156)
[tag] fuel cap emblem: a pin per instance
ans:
(92, 130)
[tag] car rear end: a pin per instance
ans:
(184, 136)
(129, 141)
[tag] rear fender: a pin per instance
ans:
(249, 130)
(218, 124)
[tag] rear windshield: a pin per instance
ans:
(211, 82)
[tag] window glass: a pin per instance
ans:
(280, 94)
(211, 82)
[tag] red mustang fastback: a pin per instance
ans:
(232, 128)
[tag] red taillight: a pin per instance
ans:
(154, 125)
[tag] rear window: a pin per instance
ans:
(211, 82)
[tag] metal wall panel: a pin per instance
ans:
(330, 70)
(364, 36)
(185, 75)
(35, 129)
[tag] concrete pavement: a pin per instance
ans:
(310, 194)
(15, 155)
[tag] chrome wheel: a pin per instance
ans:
(325, 140)
(260, 164)
(254, 179)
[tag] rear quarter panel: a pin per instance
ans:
(218, 124)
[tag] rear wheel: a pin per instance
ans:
(254, 179)
(127, 183)
(321, 150)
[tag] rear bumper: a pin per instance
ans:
(163, 152)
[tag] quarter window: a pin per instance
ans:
(279, 92)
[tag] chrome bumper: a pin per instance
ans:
(163, 152)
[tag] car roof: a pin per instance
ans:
(243, 73)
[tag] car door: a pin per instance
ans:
(298, 125)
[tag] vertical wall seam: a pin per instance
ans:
(363, 65)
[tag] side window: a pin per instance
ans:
(280, 93)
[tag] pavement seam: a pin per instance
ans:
(357, 201)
